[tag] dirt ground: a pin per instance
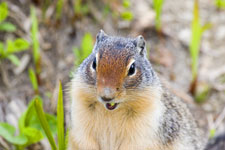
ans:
(168, 53)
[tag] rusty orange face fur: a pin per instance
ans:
(112, 66)
(107, 76)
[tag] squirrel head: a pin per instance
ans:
(116, 67)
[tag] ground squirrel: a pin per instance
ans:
(118, 103)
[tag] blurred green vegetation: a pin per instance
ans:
(33, 80)
(29, 126)
(197, 31)
(8, 49)
(4, 25)
(220, 4)
(85, 48)
(126, 14)
(59, 7)
(80, 9)
(158, 10)
(62, 141)
(35, 44)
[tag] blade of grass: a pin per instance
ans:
(44, 123)
(60, 119)
(158, 9)
(59, 7)
(195, 40)
(33, 80)
(3, 11)
(67, 139)
(8, 27)
(34, 36)
(196, 35)
(14, 59)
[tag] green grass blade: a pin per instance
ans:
(77, 6)
(59, 7)
(14, 59)
(7, 26)
(195, 39)
(44, 123)
(34, 36)
(33, 80)
(60, 120)
(158, 10)
(67, 139)
(3, 11)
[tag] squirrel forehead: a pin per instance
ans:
(113, 59)
(117, 43)
(118, 53)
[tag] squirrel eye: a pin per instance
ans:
(131, 70)
(94, 64)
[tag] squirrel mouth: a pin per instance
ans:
(111, 106)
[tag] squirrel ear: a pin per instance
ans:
(141, 45)
(101, 36)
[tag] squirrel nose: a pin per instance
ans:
(106, 99)
(107, 94)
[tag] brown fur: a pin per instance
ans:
(108, 77)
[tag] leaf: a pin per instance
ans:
(3, 11)
(30, 119)
(7, 26)
(60, 119)
(33, 80)
(14, 59)
(127, 15)
(16, 46)
(5, 127)
(7, 131)
(33, 135)
(44, 123)
(52, 121)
